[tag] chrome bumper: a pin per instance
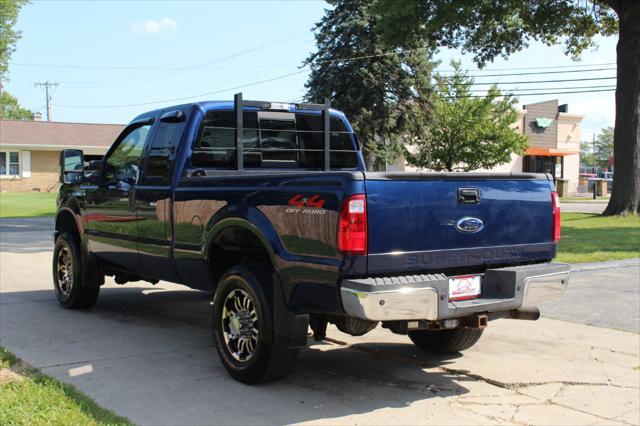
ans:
(426, 297)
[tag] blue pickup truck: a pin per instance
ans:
(269, 207)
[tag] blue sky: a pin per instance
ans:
(116, 59)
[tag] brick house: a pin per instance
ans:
(30, 150)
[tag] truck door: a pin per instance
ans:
(153, 196)
(110, 213)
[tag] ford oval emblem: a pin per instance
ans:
(469, 225)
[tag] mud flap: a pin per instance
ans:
(289, 330)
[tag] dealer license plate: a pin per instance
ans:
(464, 287)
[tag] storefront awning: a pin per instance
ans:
(549, 152)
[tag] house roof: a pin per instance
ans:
(57, 135)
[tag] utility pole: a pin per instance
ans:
(593, 154)
(47, 85)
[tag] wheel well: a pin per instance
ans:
(237, 246)
(66, 223)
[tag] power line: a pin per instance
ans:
(539, 68)
(535, 73)
(539, 94)
(512, 91)
(291, 74)
(499, 83)
(186, 97)
(202, 66)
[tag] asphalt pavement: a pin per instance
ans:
(146, 352)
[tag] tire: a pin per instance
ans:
(67, 277)
(243, 327)
(446, 341)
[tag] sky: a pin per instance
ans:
(113, 60)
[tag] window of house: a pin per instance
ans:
(9, 163)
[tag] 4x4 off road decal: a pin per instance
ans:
(300, 201)
(306, 205)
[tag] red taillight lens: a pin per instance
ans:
(352, 226)
(556, 216)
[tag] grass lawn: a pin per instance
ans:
(27, 204)
(28, 397)
(587, 237)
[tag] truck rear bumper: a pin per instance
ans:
(426, 297)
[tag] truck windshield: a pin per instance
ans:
(273, 140)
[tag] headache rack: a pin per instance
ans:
(239, 105)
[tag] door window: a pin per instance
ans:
(161, 156)
(123, 164)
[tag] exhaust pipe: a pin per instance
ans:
(528, 314)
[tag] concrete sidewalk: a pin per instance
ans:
(583, 207)
(146, 352)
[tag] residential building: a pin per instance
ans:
(30, 150)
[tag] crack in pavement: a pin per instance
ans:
(515, 387)
(111, 358)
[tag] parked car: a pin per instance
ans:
(269, 207)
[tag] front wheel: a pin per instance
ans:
(446, 341)
(243, 328)
(67, 279)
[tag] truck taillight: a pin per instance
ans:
(556, 216)
(352, 226)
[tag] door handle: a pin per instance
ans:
(468, 196)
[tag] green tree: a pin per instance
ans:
(379, 90)
(9, 10)
(604, 147)
(10, 109)
(465, 132)
(586, 155)
(491, 28)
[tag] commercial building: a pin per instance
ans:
(554, 144)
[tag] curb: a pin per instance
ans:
(624, 263)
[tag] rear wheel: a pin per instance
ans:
(243, 328)
(67, 277)
(446, 341)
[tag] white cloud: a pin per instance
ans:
(153, 26)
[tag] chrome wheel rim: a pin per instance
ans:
(240, 325)
(64, 271)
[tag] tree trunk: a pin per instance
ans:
(369, 161)
(625, 195)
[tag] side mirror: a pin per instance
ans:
(71, 166)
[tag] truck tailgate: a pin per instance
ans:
(419, 222)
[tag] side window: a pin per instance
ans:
(216, 144)
(123, 164)
(162, 152)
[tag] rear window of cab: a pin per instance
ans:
(272, 140)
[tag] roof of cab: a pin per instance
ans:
(222, 105)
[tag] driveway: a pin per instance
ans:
(146, 352)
